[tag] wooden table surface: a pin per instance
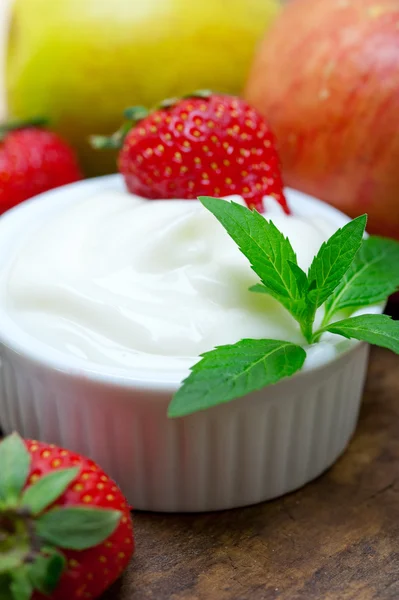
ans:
(335, 539)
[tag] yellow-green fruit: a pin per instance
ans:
(81, 62)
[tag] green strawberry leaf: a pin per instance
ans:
(77, 528)
(111, 142)
(371, 278)
(5, 581)
(56, 565)
(46, 571)
(379, 330)
(135, 113)
(14, 469)
(20, 586)
(12, 559)
(15, 124)
(231, 371)
(334, 259)
(266, 248)
(47, 489)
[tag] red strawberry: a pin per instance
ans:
(65, 528)
(32, 160)
(206, 144)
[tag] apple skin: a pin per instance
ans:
(82, 62)
(327, 78)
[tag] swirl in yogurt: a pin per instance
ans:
(118, 280)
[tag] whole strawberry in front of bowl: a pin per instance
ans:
(32, 160)
(206, 143)
(65, 527)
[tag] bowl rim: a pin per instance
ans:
(33, 350)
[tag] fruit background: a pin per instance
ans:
(323, 73)
(3, 27)
(4, 10)
(81, 63)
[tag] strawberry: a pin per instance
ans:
(205, 144)
(65, 528)
(32, 160)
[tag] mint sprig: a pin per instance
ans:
(348, 272)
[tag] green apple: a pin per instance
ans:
(81, 62)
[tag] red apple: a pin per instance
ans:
(327, 79)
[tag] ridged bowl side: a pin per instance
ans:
(250, 450)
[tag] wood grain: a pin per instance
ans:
(336, 539)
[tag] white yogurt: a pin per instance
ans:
(124, 282)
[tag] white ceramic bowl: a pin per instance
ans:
(249, 450)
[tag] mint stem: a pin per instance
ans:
(317, 335)
(322, 329)
(307, 332)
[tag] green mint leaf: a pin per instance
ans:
(371, 278)
(232, 371)
(14, 468)
(77, 528)
(301, 278)
(20, 586)
(47, 489)
(334, 259)
(266, 248)
(46, 571)
(259, 288)
(380, 330)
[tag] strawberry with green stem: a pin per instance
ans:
(201, 144)
(65, 527)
